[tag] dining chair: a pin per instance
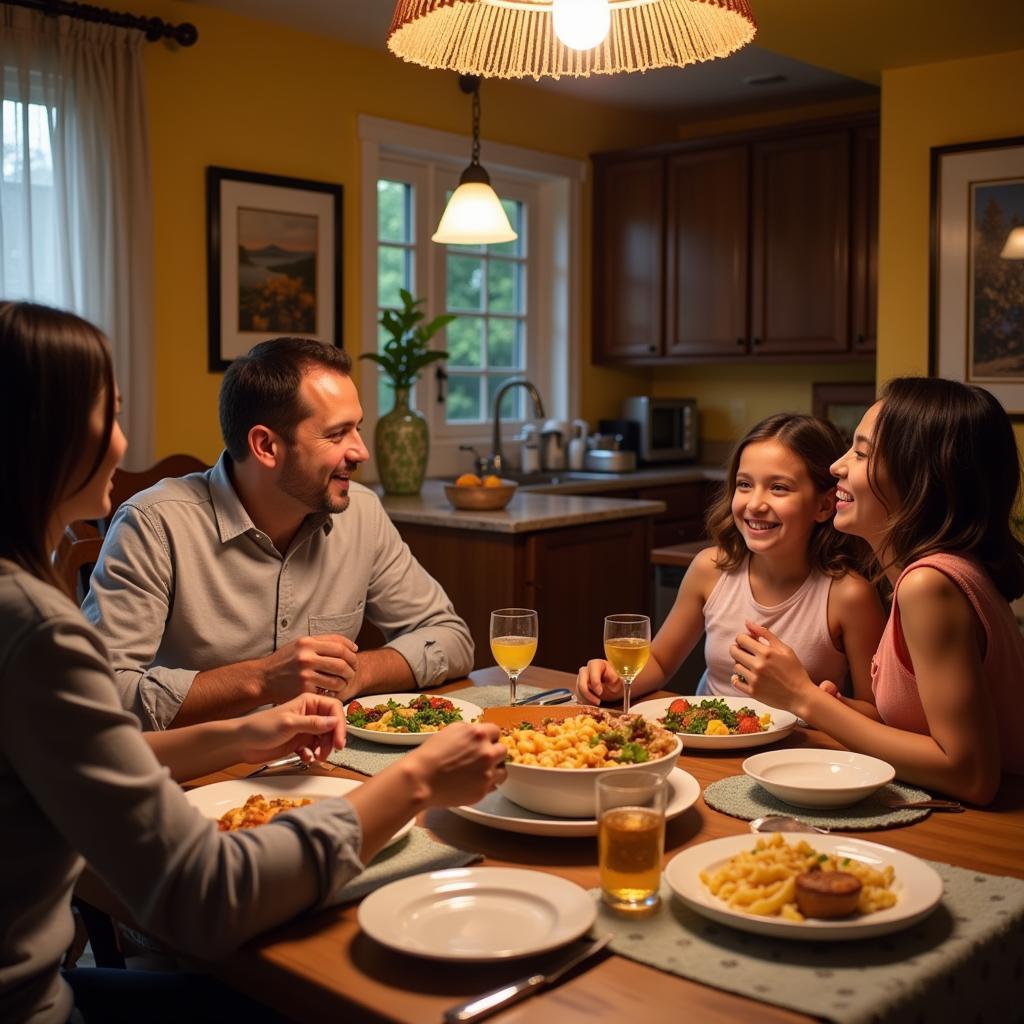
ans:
(127, 483)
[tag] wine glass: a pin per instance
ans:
(627, 646)
(513, 642)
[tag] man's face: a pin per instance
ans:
(327, 447)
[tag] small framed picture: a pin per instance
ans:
(274, 260)
(842, 404)
(977, 267)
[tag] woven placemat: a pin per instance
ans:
(370, 758)
(961, 963)
(742, 797)
(414, 854)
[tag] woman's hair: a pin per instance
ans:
(818, 444)
(950, 460)
(56, 366)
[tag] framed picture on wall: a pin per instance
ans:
(273, 260)
(977, 267)
(843, 404)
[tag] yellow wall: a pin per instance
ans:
(258, 97)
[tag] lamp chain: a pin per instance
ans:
(476, 125)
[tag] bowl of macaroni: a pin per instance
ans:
(556, 755)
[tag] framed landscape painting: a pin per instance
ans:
(273, 260)
(977, 281)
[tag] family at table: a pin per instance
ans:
(276, 549)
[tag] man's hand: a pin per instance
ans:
(310, 664)
(310, 725)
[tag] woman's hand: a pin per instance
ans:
(598, 681)
(460, 765)
(768, 670)
(310, 725)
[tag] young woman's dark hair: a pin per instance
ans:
(818, 444)
(262, 387)
(47, 427)
(946, 451)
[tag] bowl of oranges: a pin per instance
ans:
(476, 494)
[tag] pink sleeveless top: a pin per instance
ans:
(892, 675)
(801, 621)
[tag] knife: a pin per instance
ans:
(291, 761)
(559, 696)
(514, 992)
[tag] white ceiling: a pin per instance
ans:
(707, 89)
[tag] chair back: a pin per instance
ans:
(128, 483)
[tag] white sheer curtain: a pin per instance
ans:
(75, 218)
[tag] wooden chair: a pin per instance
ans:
(127, 483)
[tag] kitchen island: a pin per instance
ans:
(574, 559)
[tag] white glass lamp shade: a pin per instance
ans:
(474, 216)
(1014, 247)
(581, 24)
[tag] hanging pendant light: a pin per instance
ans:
(474, 214)
(1014, 247)
(520, 38)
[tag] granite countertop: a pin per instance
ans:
(649, 476)
(527, 512)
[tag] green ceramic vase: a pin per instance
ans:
(401, 445)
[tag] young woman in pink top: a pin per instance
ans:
(776, 559)
(930, 483)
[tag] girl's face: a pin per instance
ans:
(859, 510)
(92, 501)
(775, 504)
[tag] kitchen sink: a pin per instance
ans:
(560, 476)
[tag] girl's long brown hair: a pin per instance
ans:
(817, 443)
(950, 459)
(56, 366)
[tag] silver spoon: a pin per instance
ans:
(783, 823)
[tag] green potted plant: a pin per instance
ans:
(401, 440)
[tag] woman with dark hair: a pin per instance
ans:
(931, 483)
(777, 559)
(78, 780)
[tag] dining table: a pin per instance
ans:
(322, 967)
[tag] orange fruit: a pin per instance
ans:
(492, 481)
(468, 480)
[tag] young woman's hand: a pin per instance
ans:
(598, 681)
(768, 670)
(310, 725)
(460, 765)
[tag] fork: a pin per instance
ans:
(291, 761)
(936, 805)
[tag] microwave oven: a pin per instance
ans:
(667, 427)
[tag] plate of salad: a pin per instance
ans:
(718, 723)
(406, 719)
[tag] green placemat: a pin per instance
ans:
(370, 758)
(961, 963)
(415, 854)
(742, 797)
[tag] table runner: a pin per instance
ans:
(742, 797)
(962, 963)
(369, 758)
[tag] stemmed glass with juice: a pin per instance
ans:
(627, 646)
(513, 642)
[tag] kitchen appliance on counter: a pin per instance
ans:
(667, 427)
(609, 460)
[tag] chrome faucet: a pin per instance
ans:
(497, 460)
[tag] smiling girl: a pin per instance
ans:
(930, 483)
(777, 561)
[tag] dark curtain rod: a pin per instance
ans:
(155, 29)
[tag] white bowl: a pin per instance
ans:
(819, 778)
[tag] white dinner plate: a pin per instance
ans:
(783, 723)
(497, 811)
(470, 712)
(477, 913)
(918, 889)
(218, 798)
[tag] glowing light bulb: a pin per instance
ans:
(581, 24)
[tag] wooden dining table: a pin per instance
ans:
(323, 968)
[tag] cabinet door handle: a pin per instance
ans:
(652, 348)
(860, 339)
(757, 341)
(741, 342)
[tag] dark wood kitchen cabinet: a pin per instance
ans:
(864, 270)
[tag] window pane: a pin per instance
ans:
(465, 282)
(463, 398)
(466, 341)
(514, 210)
(512, 403)
(394, 271)
(505, 344)
(504, 286)
(394, 208)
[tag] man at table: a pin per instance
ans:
(247, 584)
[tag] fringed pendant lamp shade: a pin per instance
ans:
(516, 38)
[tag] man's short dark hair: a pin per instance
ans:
(262, 387)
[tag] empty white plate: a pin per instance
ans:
(813, 777)
(477, 913)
